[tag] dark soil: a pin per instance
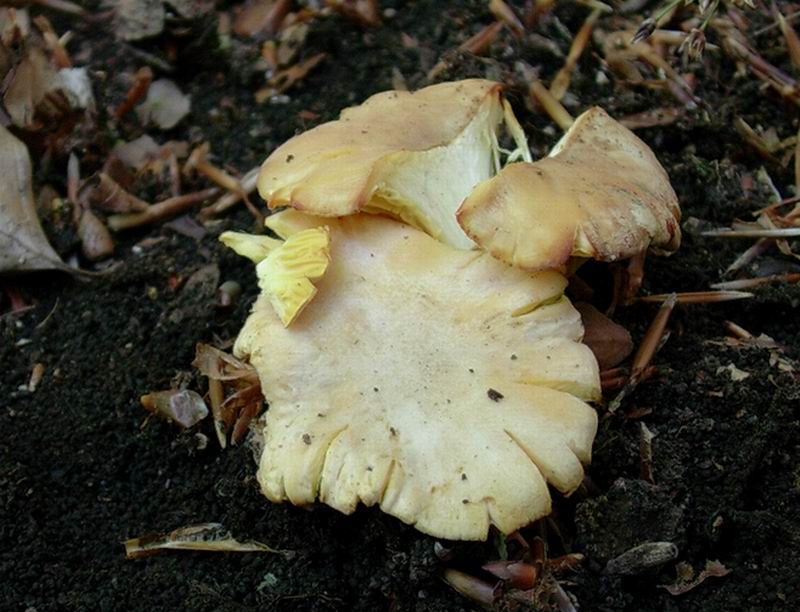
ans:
(80, 472)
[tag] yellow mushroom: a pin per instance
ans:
(414, 156)
(440, 384)
(601, 194)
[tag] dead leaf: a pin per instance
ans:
(206, 536)
(23, 244)
(138, 19)
(96, 241)
(77, 86)
(684, 584)
(165, 105)
(284, 80)
(137, 153)
(736, 374)
(183, 407)
(33, 79)
(261, 16)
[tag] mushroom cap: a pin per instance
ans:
(441, 384)
(414, 156)
(601, 194)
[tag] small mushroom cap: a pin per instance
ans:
(600, 194)
(415, 156)
(443, 385)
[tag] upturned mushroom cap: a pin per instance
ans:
(601, 194)
(414, 156)
(441, 384)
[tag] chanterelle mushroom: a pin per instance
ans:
(414, 156)
(441, 384)
(601, 194)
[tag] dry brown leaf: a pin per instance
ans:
(259, 16)
(23, 244)
(33, 79)
(96, 241)
(684, 584)
(137, 19)
(206, 536)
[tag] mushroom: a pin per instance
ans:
(414, 156)
(440, 384)
(601, 194)
(286, 269)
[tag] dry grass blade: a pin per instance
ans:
(536, 10)
(561, 82)
(64, 6)
(197, 161)
(285, 79)
(761, 246)
(248, 185)
(754, 139)
(141, 83)
(504, 13)
(750, 283)
(160, 211)
(647, 349)
(478, 43)
(783, 232)
(697, 297)
(551, 105)
(784, 84)
(615, 378)
(246, 416)
(362, 12)
(211, 537)
(646, 453)
(792, 40)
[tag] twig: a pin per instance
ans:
(141, 83)
(560, 84)
(159, 211)
(197, 161)
(504, 13)
(761, 246)
(697, 297)
(784, 232)
(64, 6)
(551, 105)
(646, 453)
(248, 184)
(749, 283)
(647, 349)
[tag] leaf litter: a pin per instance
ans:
(23, 244)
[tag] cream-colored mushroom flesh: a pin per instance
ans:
(601, 194)
(414, 156)
(443, 385)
